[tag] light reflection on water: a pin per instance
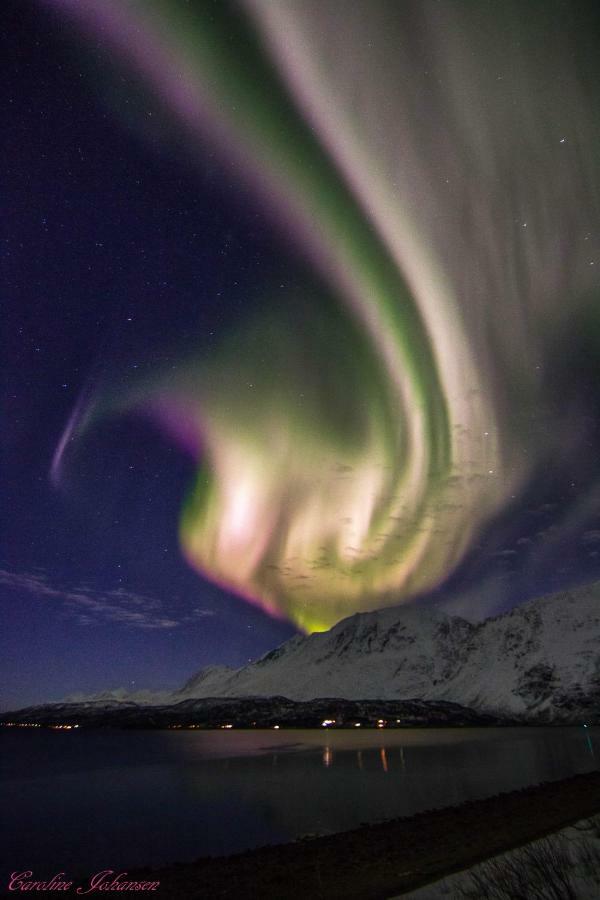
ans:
(384, 762)
(106, 799)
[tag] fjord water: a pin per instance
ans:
(82, 801)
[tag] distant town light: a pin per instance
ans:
(326, 722)
(276, 727)
(20, 724)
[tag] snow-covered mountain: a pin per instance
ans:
(542, 658)
(539, 661)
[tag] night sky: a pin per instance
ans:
(330, 273)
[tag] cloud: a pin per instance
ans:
(543, 510)
(551, 533)
(591, 537)
(89, 606)
(200, 613)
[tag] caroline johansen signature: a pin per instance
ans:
(107, 880)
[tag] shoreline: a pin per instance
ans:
(350, 728)
(376, 862)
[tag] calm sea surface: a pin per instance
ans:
(83, 801)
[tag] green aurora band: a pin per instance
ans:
(351, 443)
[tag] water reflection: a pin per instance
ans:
(588, 737)
(131, 798)
(384, 762)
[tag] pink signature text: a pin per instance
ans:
(107, 880)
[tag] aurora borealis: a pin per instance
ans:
(301, 320)
(352, 443)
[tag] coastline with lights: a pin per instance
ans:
(253, 713)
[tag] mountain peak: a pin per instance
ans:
(541, 659)
(543, 655)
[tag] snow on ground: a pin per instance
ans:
(562, 866)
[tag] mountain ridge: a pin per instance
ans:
(538, 661)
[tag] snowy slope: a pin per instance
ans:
(540, 658)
